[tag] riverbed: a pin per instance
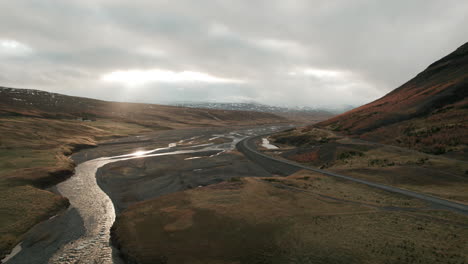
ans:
(82, 233)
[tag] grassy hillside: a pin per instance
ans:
(304, 218)
(38, 130)
(34, 103)
(428, 113)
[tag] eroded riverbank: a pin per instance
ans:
(81, 234)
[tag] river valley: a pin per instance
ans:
(128, 170)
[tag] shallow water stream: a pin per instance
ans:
(96, 208)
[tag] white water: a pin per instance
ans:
(192, 158)
(266, 144)
(13, 252)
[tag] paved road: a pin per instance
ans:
(286, 167)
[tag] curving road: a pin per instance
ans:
(286, 167)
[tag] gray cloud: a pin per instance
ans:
(369, 46)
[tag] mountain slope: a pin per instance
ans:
(35, 103)
(428, 113)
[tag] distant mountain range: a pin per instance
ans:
(428, 113)
(302, 114)
(252, 106)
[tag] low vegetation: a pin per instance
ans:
(405, 168)
(304, 218)
(308, 137)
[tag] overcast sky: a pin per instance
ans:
(288, 52)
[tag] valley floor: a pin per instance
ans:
(169, 161)
(187, 196)
(303, 218)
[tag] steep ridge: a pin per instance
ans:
(428, 113)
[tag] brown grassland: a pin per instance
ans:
(401, 167)
(33, 155)
(303, 218)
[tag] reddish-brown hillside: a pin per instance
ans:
(428, 113)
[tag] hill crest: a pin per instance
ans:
(41, 104)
